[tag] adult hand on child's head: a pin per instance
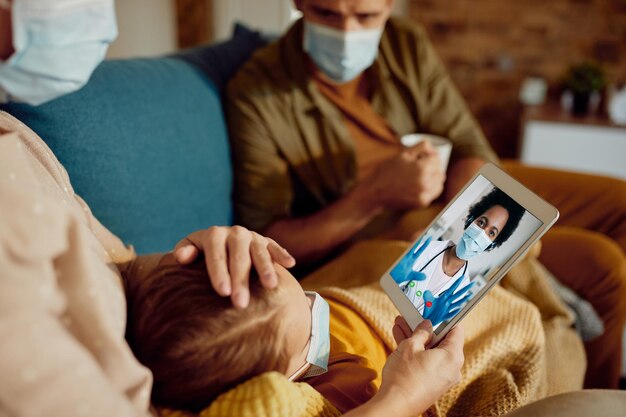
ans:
(230, 253)
(417, 377)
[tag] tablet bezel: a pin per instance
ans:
(531, 202)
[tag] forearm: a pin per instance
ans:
(459, 174)
(310, 238)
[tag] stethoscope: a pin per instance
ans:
(426, 265)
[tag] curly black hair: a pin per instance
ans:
(496, 197)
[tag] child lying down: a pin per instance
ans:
(198, 345)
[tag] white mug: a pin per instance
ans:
(442, 145)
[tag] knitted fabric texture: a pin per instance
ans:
(268, 395)
(519, 345)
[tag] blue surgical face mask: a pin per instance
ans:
(58, 44)
(473, 242)
(319, 349)
(340, 55)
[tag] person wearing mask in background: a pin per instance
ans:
(315, 121)
(50, 48)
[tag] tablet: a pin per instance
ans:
(466, 250)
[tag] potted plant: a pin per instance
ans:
(584, 81)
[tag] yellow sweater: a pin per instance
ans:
(355, 364)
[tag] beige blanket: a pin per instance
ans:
(520, 345)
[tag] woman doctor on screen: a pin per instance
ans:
(434, 273)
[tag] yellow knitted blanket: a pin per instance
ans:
(519, 345)
(268, 395)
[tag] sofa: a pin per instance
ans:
(145, 141)
(145, 144)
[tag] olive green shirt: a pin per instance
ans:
(292, 153)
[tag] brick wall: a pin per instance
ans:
(489, 46)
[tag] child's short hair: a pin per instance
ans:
(195, 342)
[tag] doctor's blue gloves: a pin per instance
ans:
(404, 270)
(448, 304)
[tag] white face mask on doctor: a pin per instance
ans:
(473, 242)
(57, 44)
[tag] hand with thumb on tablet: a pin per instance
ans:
(416, 377)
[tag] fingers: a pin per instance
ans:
(422, 149)
(456, 283)
(263, 262)
(452, 345)
(401, 330)
(426, 148)
(461, 299)
(239, 263)
(398, 335)
(215, 258)
(213, 243)
(450, 314)
(423, 333)
(230, 253)
(414, 156)
(454, 340)
(280, 254)
(422, 248)
(185, 251)
(463, 294)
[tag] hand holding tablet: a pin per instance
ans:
(466, 250)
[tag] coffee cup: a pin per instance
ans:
(442, 145)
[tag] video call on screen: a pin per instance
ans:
(456, 257)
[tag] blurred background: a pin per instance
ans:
(504, 55)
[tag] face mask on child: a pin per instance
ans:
(319, 349)
(57, 46)
(340, 55)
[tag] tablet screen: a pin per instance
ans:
(467, 245)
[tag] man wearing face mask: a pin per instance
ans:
(50, 48)
(315, 123)
(316, 119)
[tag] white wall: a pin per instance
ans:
(146, 28)
(565, 146)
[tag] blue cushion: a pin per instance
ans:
(219, 61)
(145, 144)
